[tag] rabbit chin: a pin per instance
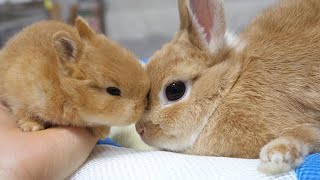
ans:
(177, 144)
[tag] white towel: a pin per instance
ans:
(113, 163)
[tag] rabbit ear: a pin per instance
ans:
(66, 50)
(184, 15)
(84, 29)
(65, 47)
(205, 22)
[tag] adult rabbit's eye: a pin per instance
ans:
(113, 91)
(175, 91)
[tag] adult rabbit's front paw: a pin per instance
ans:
(282, 155)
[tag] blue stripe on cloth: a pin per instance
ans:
(144, 60)
(107, 141)
(310, 169)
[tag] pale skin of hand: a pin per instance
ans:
(53, 153)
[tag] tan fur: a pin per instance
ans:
(264, 87)
(52, 73)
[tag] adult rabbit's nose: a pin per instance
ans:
(140, 128)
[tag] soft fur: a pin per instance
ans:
(56, 74)
(259, 93)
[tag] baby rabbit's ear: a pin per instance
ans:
(204, 21)
(65, 47)
(84, 29)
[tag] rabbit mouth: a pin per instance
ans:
(173, 137)
(155, 135)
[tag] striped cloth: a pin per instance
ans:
(310, 169)
(107, 141)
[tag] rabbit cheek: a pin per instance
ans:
(124, 116)
(138, 111)
(117, 113)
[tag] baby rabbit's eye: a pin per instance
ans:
(175, 91)
(114, 91)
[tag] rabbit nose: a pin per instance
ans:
(140, 129)
(141, 132)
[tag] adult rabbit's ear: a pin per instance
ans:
(205, 23)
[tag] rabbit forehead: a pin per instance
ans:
(175, 61)
(108, 64)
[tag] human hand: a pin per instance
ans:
(49, 154)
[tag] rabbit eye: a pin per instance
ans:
(175, 91)
(113, 91)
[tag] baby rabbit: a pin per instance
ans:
(55, 74)
(257, 96)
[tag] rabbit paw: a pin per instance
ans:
(101, 132)
(27, 124)
(282, 155)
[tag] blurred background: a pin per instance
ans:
(142, 26)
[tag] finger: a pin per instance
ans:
(7, 120)
(66, 149)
